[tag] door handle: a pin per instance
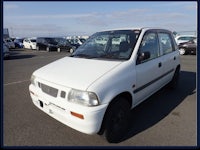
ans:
(174, 57)
(160, 64)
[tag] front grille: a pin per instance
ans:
(49, 90)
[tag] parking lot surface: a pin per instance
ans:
(168, 118)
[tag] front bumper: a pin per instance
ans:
(61, 110)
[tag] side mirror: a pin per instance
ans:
(143, 56)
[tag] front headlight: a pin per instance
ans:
(83, 98)
(33, 79)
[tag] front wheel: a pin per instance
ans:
(116, 123)
(71, 50)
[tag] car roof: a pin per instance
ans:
(137, 28)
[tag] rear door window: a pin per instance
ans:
(165, 42)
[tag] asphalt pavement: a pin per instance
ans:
(168, 118)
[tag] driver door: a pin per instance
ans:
(149, 71)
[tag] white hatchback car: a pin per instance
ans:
(94, 90)
(29, 43)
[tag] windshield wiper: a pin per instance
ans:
(112, 57)
(82, 56)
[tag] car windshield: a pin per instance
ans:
(109, 45)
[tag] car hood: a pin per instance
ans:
(78, 73)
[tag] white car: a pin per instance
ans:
(94, 90)
(184, 38)
(29, 43)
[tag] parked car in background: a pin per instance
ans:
(29, 43)
(54, 44)
(76, 41)
(19, 42)
(94, 90)
(73, 43)
(6, 51)
(184, 38)
(9, 43)
(189, 47)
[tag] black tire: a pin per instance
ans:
(174, 82)
(116, 121)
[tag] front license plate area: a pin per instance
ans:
(54, 108)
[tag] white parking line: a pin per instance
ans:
(16, 82)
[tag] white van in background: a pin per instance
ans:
(29, 43)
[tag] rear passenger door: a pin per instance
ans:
(148, 72)
(168, 55)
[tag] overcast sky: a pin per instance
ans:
(84, 18)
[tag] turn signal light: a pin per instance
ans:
(77, 115)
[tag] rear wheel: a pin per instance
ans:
(116, 123)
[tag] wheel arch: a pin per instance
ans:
(128, 98)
